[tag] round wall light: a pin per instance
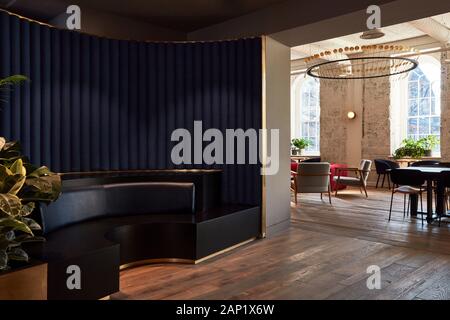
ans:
(351, 115)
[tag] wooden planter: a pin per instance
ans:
(28, 283)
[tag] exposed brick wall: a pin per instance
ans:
(333, 133)
(374, 141)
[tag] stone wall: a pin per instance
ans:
(368, 136)
(333, 134)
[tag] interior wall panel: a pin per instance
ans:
(101, 104)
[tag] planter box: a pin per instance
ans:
(27, 283)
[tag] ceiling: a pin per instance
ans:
(395, 33)
(178, 15)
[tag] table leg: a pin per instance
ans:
(429, 201)
(440, 198)
(414, 200)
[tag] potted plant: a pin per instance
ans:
(299, 145)
(22, 186)
(428, 144)
(410, 148)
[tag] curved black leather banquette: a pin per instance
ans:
(79, 204)
(100, 225)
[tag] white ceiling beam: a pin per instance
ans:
(434, 29)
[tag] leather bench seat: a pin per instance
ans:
(102, 227)
(78, 204)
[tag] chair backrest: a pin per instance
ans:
(392, 164)
(313, 177)
(365, 167)
(407, 177)
(381, 166)
(425, 163)
(444, 164)
(444, 179)
(316, 159)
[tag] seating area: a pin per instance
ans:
(132, 219)
(236, 150)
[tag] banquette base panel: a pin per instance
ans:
(102, 246)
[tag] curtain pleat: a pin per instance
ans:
(100, 104)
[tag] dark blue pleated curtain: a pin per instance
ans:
(101, 104)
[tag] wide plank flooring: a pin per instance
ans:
(323, 255)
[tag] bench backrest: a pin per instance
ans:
(78, 204)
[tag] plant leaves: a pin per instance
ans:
(3, 260)
(2, 143)
(33, 225)
(25, 238)
(10, 204)
(16, 224)
(10, 235)
(18, 168)
(12, 80)
(18, 254)
(45, 189)
(39, 172)
(27, 209)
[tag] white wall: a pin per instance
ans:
(277, 91)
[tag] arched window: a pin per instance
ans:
(416, 104)
(424, 112)
(305, 111)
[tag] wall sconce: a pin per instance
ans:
(351, 115)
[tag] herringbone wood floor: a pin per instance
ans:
(323, 255)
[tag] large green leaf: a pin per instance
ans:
(10, 204)
(18, 254)
(2, 143)
(39, 172)
(13, 184)
(11, 151)
(13, 80)
(45, 189)
(33, 225)
(18, 168)
(27, 209)
(25, 238)
(16, 224)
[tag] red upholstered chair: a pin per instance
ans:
(334, 167)
(294, 165)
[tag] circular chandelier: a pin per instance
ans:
(362, 62)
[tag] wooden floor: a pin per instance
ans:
(323, 255)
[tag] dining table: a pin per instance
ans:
(431, 174)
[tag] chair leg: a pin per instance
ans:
(321, 196)
(392, 199)
(384, 177)
(329, 193)
(365, 190)
(389, 181)
(404, 205)
(407, 208)
(378, 180)
(337, 185)
(421, 203)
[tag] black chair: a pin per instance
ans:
(425, 163)
(383, 168)
(444, 164)
(317, 159)
(444, 182)
(406, 182)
